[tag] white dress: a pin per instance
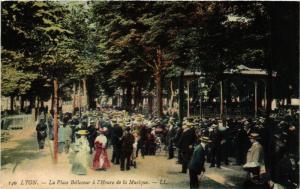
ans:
(80, 162)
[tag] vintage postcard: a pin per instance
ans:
(149, 94)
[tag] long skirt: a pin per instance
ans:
(80, 162)
(100, 160)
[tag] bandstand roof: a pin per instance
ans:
(244, 70)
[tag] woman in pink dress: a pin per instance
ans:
(100, 160)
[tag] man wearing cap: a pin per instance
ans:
(196, 165)
(186, 142)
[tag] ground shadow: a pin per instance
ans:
(25, 150)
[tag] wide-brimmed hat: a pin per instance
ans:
(82, 132)
(188, 124)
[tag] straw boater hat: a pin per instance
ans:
(139, 119)
(114, 120)
(205, 139)
(82, 132)
(188, 124)
(122, 123)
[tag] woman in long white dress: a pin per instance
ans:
(80, 161)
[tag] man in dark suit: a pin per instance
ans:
(186, 142)
(170, 137)
(117, 133)
(41, 129)
(141, 145)
(176, 138)
(126, 149)
(92, 135)
(215, 147)
(196, 165)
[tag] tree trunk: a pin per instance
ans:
(158, 82)
(79, 97)
(128, 97)
(11, 103)
(74, 97)
(171, 102)
(22, 103)
(85, 96)
(159, 93)
(221, 100)
(140, 98)
(37, 108)
(181, 92)
(31, 102)
(150, 104)
(136, 97)
(123, 101)
(55, 94)
(91, 92)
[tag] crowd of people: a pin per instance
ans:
(266, 149)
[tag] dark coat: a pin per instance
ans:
(287, 172)
(187, 138)
(117, 133)
(242, 141)
(127, 143)
(198, 160)
(41, 129)
(92, 135)
(143, 133)
(109, 127)
(171, 135)
(177, 136)
(216, 139)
